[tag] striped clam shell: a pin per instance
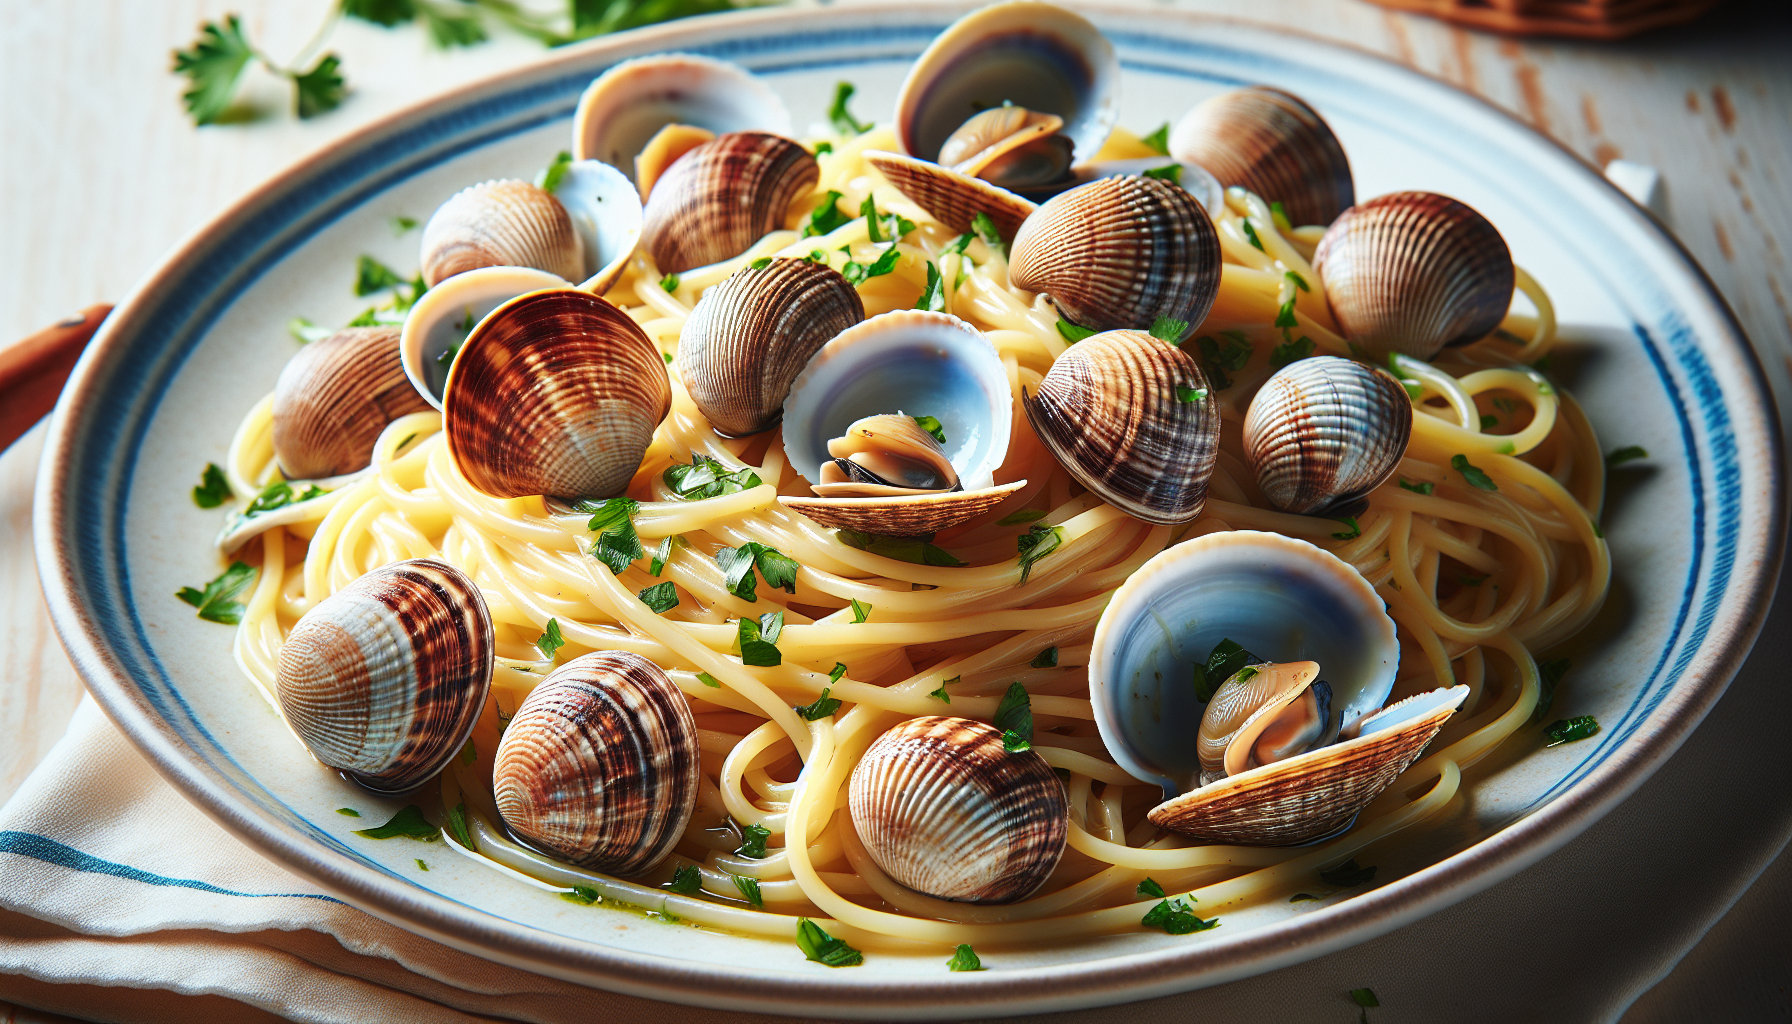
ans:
(1121, 252)
(1414, 272)
(501, 224)
(334, 397)
(949, 197)
(556, 392)
(600, 766)
(722, 196)
(946, 811)
(750, 336)
(1272, 143)
(1128, 416)
(385, 678)
(1312, 795)
(1323, 432)
(913, 515)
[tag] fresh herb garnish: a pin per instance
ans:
(886, 228)
(991, 235)
(1176, 917)
(408, 822)
(823, 948)
(669, 283)
(1250, 232)
(1290, 352)
(1279, 214)
(858, 273)
(756, 646)
(1422, 487)
(753, 839)
(1167, 329)
(1218, 357)
(1040, 540)
(905, 549)
(1047, 658)
(280, 494)
(1171, 173)
(550, 640)
(1567, 730)
(1158, 140)
(686, 880)
(860, 611)
(1474, 476)
(1021, 518)
(1223, 662)
(941, 692)
(707, 478)
(823, 147)
(554, 173)
(1150, 889)
(583, 895)
(760, 264)
(822, 707)
(933, 296)
(617, 544)
(964, 958)
(457, 824)
(840, 117)
(1014, 716)
(708, 680)
(1351, 530)
(827, 217)
(1629, 453)
(1348, 875)
(737, 565)
(1074, 333)
(217, 602)
(661, 555)
(1189, 395)
(350, 811)
(401, 225)
(749, 890)
(372, 276)
(214, 67)
(837, 673)
(957, 245)
(1549, 674)
(213, 489)
(661, 597)
(306, 332)
(932, 425)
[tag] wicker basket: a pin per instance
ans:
(1586, 19)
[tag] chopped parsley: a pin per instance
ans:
(753, 839)
(1171, 173)
(840, 117)
(1279, 214)
(1168, 329)
(1159, 140)
(1021, 518)
(1223, 662)
(1351, 530)
(1188, 395)
(904, 549)
(1040, 540)
(1217, 357)
(280, 494)
(826, 218)
(305, 331)
(661, 597)
(350, 811)
(1014, 716)
(669, 283)
(1290, 351)
(457, 823)
(1250, 232)
(708, 680)
(759, 640)
(1422, 487)
(932, 425)
(749, 890)
(550, 177)
(1176, 918)
(550, 640)
(420, 865)
(583, 895)
(941, 692)
(408, 822)
(1474, 476)
(218, 601)
(860, 611)
(823, 147)
(1549, 674)
(886, 228)
(858, 273)
(686, 880)
(837, 673)
(661, 555)
(737, 565)
(824, 706)
(1150, 889)
(823, 948)
(1047, 658)
(1348, 875)
(1567, 730)
(964, 958)
(1629, 453)
(957, 245)
(933, 296)
(707, 478)
(1074, 333)
(372, 276)
(213, 489)
(760, 264)
(402, 225)
(617, 544)
(992, 236)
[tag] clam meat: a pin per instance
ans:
(886, 455)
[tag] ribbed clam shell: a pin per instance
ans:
(1272, 143)
(946, 811)
(501, 224)
(724, 195)
(601, 766)
(1325, 431)
(1121, 252)
(334, 397)
(1305, 797)
(951, 198)
(556, 392)
(916, 515)
(751, 335)
(385, 678)
(1109, 412)
(1413, 272)
(439, 322)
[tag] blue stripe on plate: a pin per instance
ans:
(43, 848)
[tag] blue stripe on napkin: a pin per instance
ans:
(29, 844)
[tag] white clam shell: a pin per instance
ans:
(606, 213)
(625, 106)
(433, 324)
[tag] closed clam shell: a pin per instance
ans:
(1272, 143)
(946, 811)
(501, 224)
(600, 766)
(952, 198)
(1323, 432)
(722, 196)
(556, 392)
(385, 678)
(1414, 272)
(334, 397)
(750, 336)
(1121, 252)
(1311, 795)
(1129, 416)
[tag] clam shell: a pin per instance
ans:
(385, 678)
(556, 392)
(1272, 143)
(1010, 146)
(1323, 432)
(944, 810)
(1312, 795)
(1121, 252)
(442, 319)
(664, 149)
(917, 515)
(500, 224)
(951, 198)
(601, 766)
(1109, 411)
(1239, 711)
(334, 397)
(626, 106)
(1413, 272)
(750, 336)
(721, 197)
(606, 213)
(1193, 178)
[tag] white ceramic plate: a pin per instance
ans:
(1650, 350)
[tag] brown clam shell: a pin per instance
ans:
(1323, 432)
(719, 198)
(1110, 412)
(1272, 143)
(909, 515)
(501, 224)
(750, 336)
(385, 678)
(556, 392)
(1414, 272)
(1121, 252)
(952, 198)
(601, 766)
(946, 811)
(334, 397)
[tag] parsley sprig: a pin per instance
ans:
(823, 948)
(840, 116)
(218, 601)
(1014, 716)
(215, 62)
(738, 564)
(213, 489)
(617, 544)
(1039, 540)
(707, 478)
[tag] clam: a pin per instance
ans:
(600, 766)
(437, 325)
(723, 196)
(384, 678)
(911, 363)
(886, 455)
(557, 393)
(1121, 252)
(946, 811)
(1194, 179)
(1272, 143)
(639, 115)
(1414, 272)
(501, 224)
(1323, 432)
(952, 198)
(664, 149)
(749, 337)
(1129, 416)
(606, 214)
(1010, 146)
(334, 397)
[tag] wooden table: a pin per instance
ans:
(101, 173)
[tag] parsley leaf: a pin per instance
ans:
(1176, 918)
(964, 958)
(992, 236)
(1024, 516)
(384, 13)
(1150, 888)
(708, 680)
(1014, 716)
(1290, 352)
(1351, 530)
(737, 565)
(823, 948)
(707, 478)
(749, 890)
(824, 219)
(1166, 329)
(669, 283)
(1219, 357)
(941, 692)
(837, 672)
(906, 549)
(1629, 453)
(1035, 544)
(1422, 487)
(1567, 730)
(372, 276)
(457, 823)
(1171, 173)
(550, 177)
(1348, 875)
(306, 332)
(1250, 232)
(319, 90)
(823, 147)
(933, 296)
(824, 706)
(754, 649)
(840, 117)
(280, 494)
(1364, 997)
(860, 611)
(1223, 662)
(550, 641)
(213, 489)
(1074, 333)
(1474, 476)
(402, 225)
(213, 66)
(661, 555)
(617, 544)
(858, 273)
(661, 597)
(1188, 395)
(760, 264)
(1159, 140)
(753, 839)
(957, 245)
(408, 822)
(584, 895)
(1549, 674)
(217, 602)
(449, 27)
(1279, 214)
(1047, 658)
(686, 880)
(932, 426)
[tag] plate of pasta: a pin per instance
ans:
(882, 511)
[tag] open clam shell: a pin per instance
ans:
(334, 397)
(1323, 432)
(501, 224)
(627, 106)
(1130, 417)
(601, 766)
(1272, 143)
(1414, 272)
(558, 393)
(606, 214)
(1010, 146)
(946, 811)
(385, 678)
(952, 198)
(438, 323)
(721, 197)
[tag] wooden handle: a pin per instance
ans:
(33, 371)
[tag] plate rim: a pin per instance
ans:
(1106, 980)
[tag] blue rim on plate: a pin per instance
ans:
(1724, 414)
